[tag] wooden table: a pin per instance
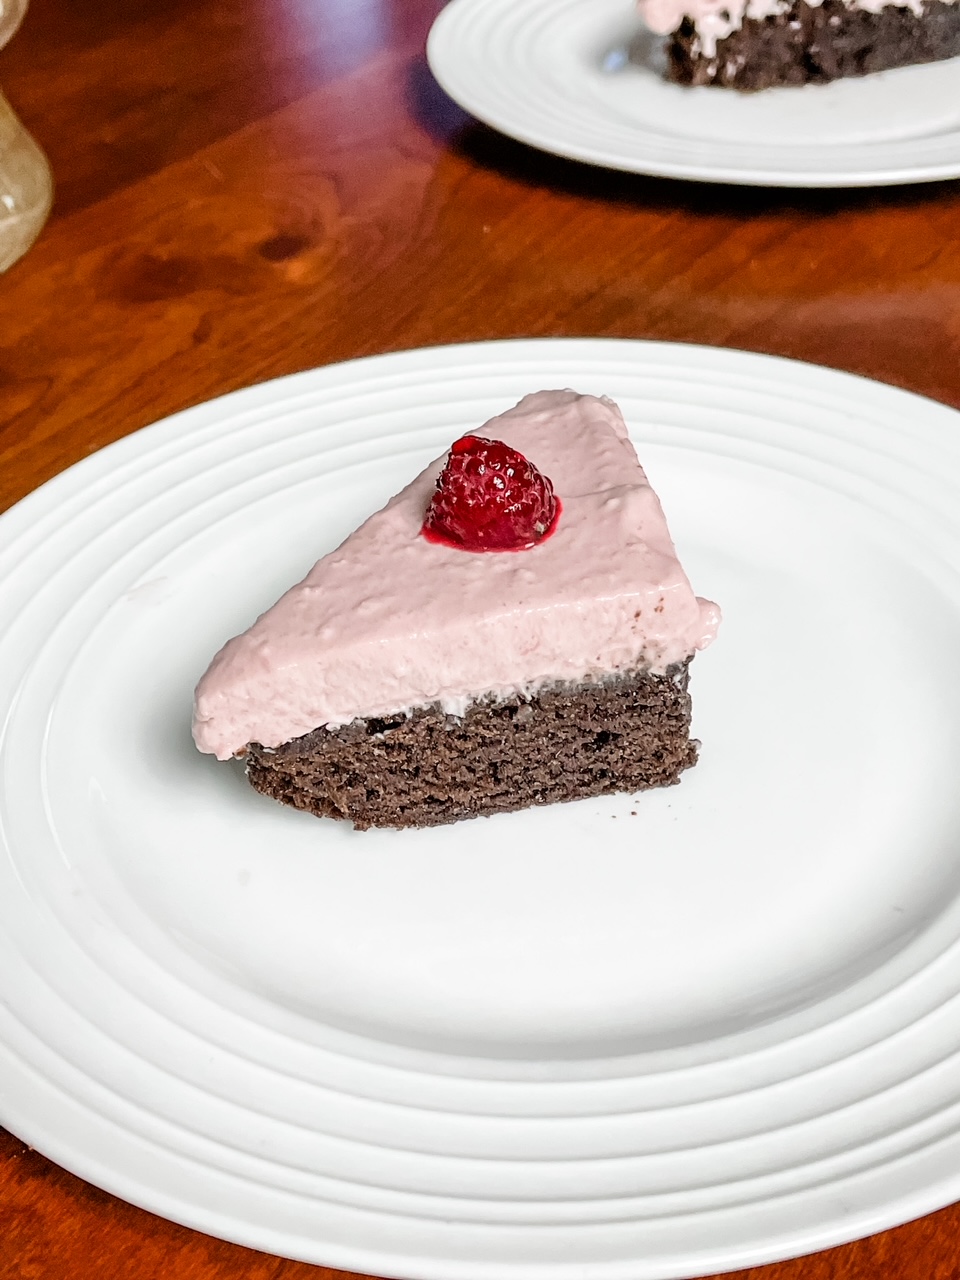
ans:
(248, 189)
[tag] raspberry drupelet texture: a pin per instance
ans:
(489, 497)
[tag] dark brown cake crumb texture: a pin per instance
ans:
(813, 45)
(626, 734)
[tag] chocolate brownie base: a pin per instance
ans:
(812, 45)
(625, 733)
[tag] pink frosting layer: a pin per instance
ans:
(390, 621)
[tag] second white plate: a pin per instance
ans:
(582, 79)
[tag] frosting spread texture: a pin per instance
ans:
(390, 620)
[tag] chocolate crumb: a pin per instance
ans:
(626, 733)
(816, 44)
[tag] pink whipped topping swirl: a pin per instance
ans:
(390, 621)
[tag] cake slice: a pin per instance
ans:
(758, 44)
(512, 629)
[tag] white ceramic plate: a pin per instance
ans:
(712, 1026)
(582, 78)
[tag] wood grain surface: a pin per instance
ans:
(246, 188)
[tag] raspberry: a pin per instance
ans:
(490, 498)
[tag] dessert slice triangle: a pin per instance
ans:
(763, 44)
(408, 680)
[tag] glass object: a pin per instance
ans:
(26, 186)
